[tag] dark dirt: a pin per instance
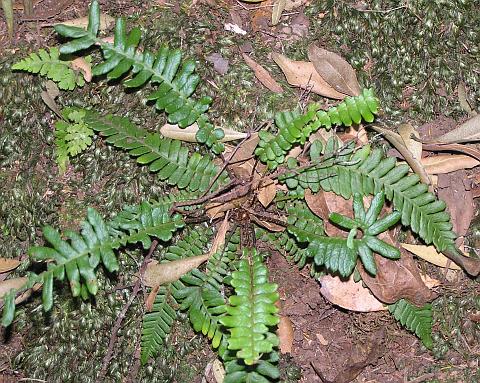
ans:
(323, 334)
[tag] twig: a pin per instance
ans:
(118, 323)
(132, 375)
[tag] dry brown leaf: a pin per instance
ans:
(429, 281)
(303, 75)
(80, 64)
(12, 283)
(285, 334)
(188, 134)
(406, 132)
(218, 371)
(48, 96)
(349, 294)
(322, 339)
(106, 21)
(219, 240)
(242, 162)
(151, 298)
(447, 163)
(397, 279)
(335, 70)
(469, 131)
(268, 225)
(162, 273)
(263, 75)
(430, 254)
(8, 264)
(267, 192)
(469, 150)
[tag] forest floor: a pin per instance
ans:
(326, 339)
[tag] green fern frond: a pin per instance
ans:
(176, 81)
(166, 157)
(368, 173)
(157, 324)
(416, 319)
(252, 310)
(294, 128)
(49, 65)
(72, 136)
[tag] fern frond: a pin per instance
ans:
(252, 310)
(368, 173)
(157, 324)
(294, 128)
(79, 255)
(415, 319)
(167, 157)
(72, 136)
(49, 65)
(176, 81)
(264, 371)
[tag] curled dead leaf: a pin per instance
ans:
(335, 70)
(267, 192)
(12, 283)
(407, 132)
(469, 131)
(303, 75)
(151, 298)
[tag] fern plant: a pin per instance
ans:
(240, 323)
(72, 136)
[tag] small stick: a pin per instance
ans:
(118, 323)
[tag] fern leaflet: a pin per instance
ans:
(415, 319)
(50, 65)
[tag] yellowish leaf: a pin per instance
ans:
(446, 163)
(188, 134)
(349, 295)
(303, 75)
(218, 371)
(430, 254)
(8, 264)
(277, 10)
(151, 298)
(158, 274)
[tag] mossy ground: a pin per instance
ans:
(414, 57)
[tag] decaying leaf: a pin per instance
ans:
(469, 131)
(7, 6)
(218, 371)
(220, 64)
(407, 132)
(467, 149)
(349, 294)
(335, 70)
(277, 10)
(8, 264)
(303, 75)
(267, 192)
(267, 224)
(219, 240)
(430, 254)
(106, 21)
(285, 334)
(80, 64)
(262, 75)
(447, 163)
(397, 279)
(188, 134)
(12, 283)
